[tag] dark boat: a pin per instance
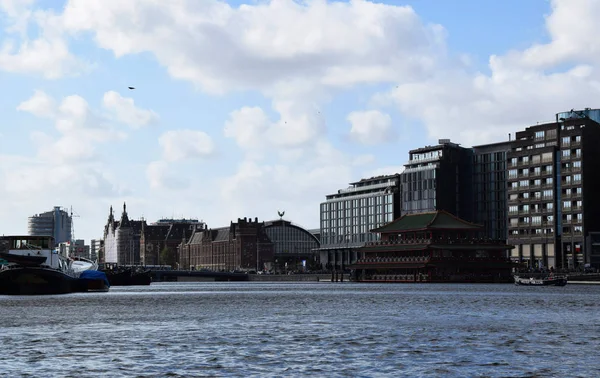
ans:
(34, 267)
(544, 281)
(24, 260)
(128, 277)
(93, 280)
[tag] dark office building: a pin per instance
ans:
(490, 189)
(439, 178)
(553, 188)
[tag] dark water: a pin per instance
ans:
(304, 329)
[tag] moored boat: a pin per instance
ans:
(125, 276)
(550, 280)
(35, 267)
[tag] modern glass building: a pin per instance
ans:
(439, 178)
(490, 188)
(348, 216)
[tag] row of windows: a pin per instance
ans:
(349, 221)
(535, 182)
(354, 238)
(571, 153)
(539, 219)
(544, 157)
(533, 171)
(545, 134)
(359, 202)
(566, 141)
(358, 212)
(548, 193)
(420, 175)
(534, 220)
(534, 207)
(419, 185)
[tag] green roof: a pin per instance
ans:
(435, 220)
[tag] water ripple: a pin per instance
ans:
(304, 329)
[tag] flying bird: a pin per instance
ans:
(131, 87)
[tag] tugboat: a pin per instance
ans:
(35, 267)
(550, 280)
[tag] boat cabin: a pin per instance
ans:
(28, 242)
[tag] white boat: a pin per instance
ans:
(35, 267)
(550, 280)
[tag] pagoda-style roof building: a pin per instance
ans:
(433, 247)
(434, 220)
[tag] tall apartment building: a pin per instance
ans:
(552, 192)
(56, 223)
(490, 188)
(439, 178)
(348, 216)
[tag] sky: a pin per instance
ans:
(243, 109)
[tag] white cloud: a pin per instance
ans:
(296, 54)
(40, 105)
(296, 187)
(371, 127)
(126, 112)
(80, 128)
(46, 53)
(186, 144)
(299, 56)
(384, 171)
(161, 175)
(524, 87)
(337, 44)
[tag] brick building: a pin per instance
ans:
(159, 241)
(244, 245)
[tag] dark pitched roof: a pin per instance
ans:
(197, 237)
(222, 234)
(156, 232)
(177, 231)
(440, 219)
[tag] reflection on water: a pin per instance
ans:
(301, 329)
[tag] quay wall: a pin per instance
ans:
(294, 277)
(270, 278)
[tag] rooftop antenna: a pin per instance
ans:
(73, 224)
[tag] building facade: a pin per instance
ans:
(490, 188)
(433, 247)
(96, 248)
(439, 178)
(74, 248)
(244, 245)
(56, 223)
(122, 239)
(552, 192)
(159, 242)
(295, 248)
(347, 217)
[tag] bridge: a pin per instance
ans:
(195, 275)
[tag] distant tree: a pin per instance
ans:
(167, 257)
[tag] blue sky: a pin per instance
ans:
(243, 109)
